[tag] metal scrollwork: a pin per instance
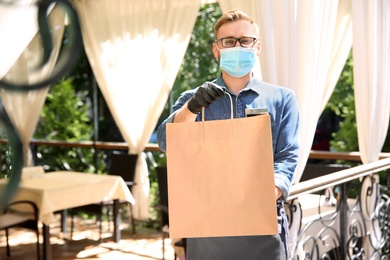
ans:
(67, 60)
(383, 216)
(356, 231)
(318, 239)
(358, 227)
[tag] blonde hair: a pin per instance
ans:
(232, 16)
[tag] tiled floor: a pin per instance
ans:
(145, 245)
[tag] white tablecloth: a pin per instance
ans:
(62, 190)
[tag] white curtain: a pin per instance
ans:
(371, 57)
(17, 28)
(24, 107)
(135, 49)
(305, 45)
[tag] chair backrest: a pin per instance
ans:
(32, 172)
(19, 212)
(123, 164)
(162, 180)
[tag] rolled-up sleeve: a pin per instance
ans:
(286, 143)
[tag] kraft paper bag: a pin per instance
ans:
(221, 178)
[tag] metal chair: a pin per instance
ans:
(21, 213)
(122, 164)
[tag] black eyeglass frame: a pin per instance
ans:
(236, 40)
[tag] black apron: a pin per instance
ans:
(243, 247)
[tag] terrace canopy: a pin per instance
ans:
(136, 47)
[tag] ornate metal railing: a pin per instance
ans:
(342, 215)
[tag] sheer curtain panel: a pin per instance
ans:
(17, 28)
(24, 107)
(305, 45)
(371, 67)
(135, 49)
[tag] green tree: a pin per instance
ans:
(65, 117)
(342, 103)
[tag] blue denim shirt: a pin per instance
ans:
(284, 113)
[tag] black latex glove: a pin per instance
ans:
(206, 94)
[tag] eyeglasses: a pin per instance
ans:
(229, 42)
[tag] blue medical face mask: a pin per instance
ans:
(237, 61)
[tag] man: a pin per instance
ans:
(236, 48)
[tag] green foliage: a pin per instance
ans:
(65, 117)
(345, 140)
(342, 103)
(386, 145)
(6, 156)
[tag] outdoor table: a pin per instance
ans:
(63, 190)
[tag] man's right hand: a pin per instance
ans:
(206, 94)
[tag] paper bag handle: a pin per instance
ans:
(231, 106)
